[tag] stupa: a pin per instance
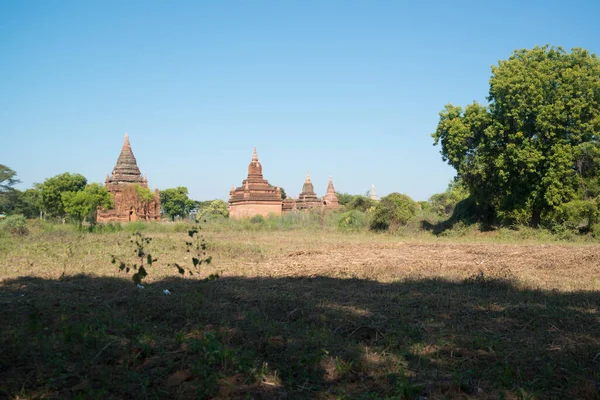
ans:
(372, 194)
(308, 199)
(255, 196)
(122, 184)
(330, 200)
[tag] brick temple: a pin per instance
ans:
(308, 199)
(255, 196)
(122, 183)
(330, 201)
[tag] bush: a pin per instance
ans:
(392, 211)
(572, 216)
(353, 220)
(361, 203)
(15, 224)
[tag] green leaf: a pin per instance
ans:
(179, 269)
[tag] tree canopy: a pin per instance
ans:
(214, 208)
(53, 188)
(84, 203)
(175, 202)
(535, 145)
(8, 195)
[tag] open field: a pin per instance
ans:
(305, 314)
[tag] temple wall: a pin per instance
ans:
(250, 209)
(127, 207)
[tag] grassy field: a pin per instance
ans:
(299, 314)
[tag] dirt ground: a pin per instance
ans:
(300, 315)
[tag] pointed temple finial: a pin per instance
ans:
(254, 156)
(330, 188)
(373, 194)
(126, 142)
(307, 176)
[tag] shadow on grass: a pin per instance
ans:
(93, 337)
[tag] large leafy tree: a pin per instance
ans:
(214, 208)
(84, 203)
(53, 188)
(9, 196)
(175, 202)
(535, 145)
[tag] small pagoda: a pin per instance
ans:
(330, 200)
(308, 200)
(255, 196)
(373, 194)
(123, 185)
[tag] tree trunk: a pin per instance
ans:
(536, 217)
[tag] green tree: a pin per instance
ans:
(393, 210)
(214, 208)
(8, 178)
(344, 198)
(518, 155)
(175, 202)
(361, 203)
(9, 196)
(53, 188)
(146, 197)
(443, 204)
(83, 204)
(28, 202)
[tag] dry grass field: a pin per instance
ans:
(300, 314)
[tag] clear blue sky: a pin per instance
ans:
(350, 89)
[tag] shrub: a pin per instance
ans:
(15, 224)
(353, 220)
(573, 215)
(392, 211)
(361, 203)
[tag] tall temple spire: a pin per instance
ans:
(330, 188)
(126, 142)
(330, 200)
(126, 170)
(254, 155)
(308, 190)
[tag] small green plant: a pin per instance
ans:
(140, 245)
(197, 248)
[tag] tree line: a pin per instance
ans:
(69, 197)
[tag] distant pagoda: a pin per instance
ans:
(372, 194)
(255, 196)
(330, 201)
(308, 199)
(122, 185)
